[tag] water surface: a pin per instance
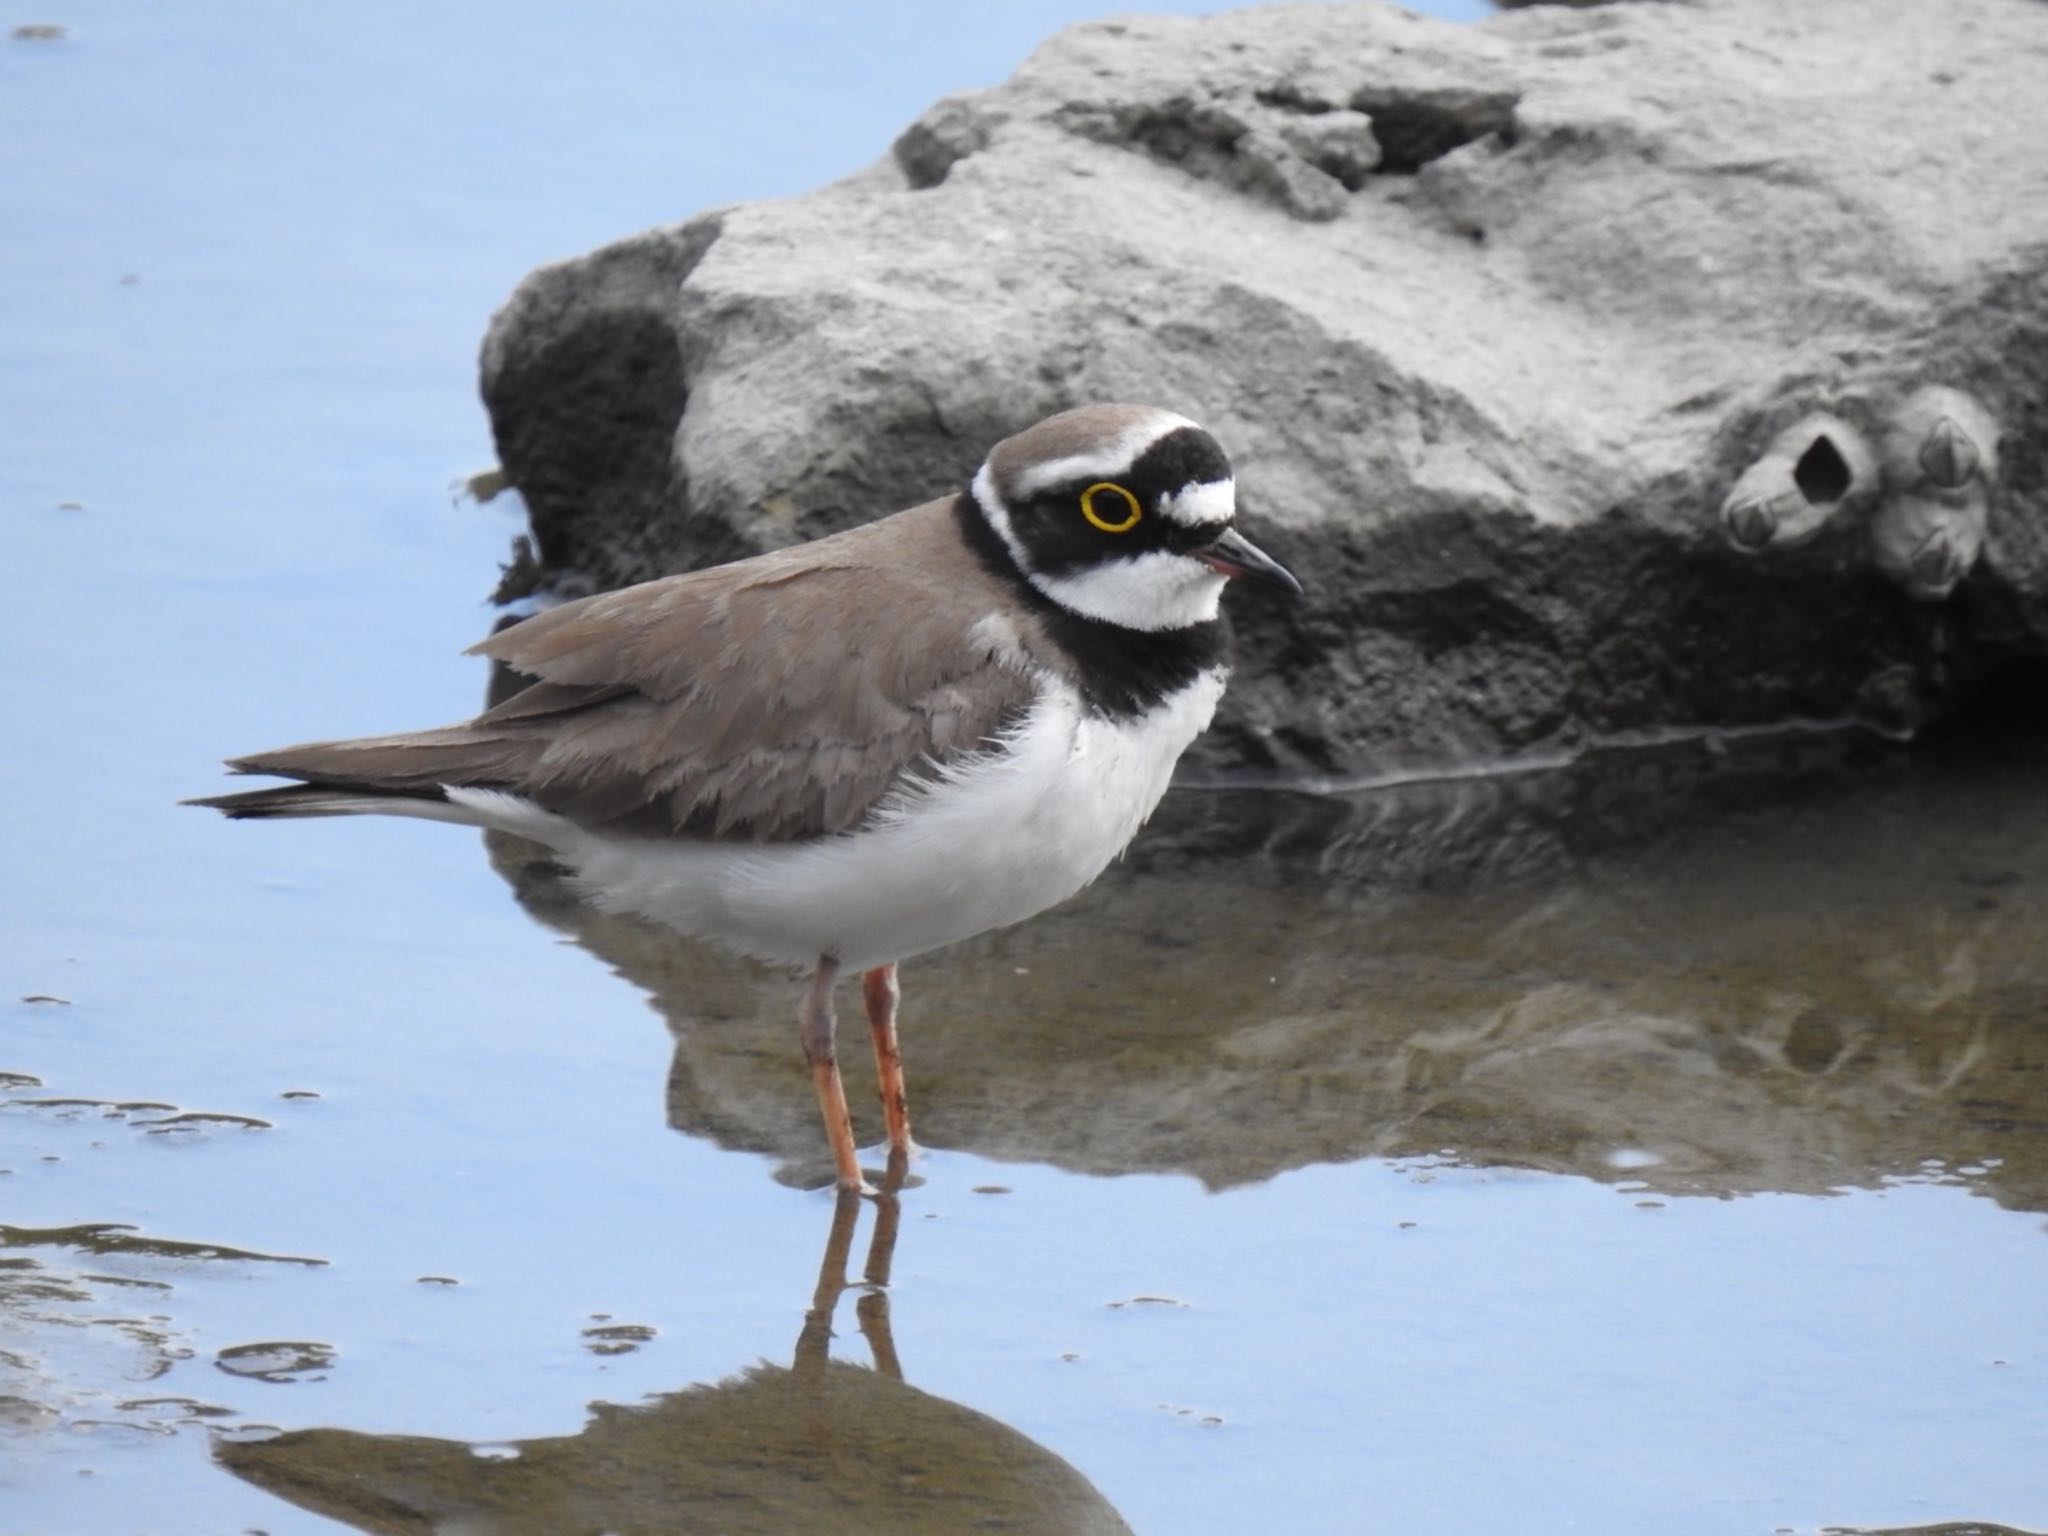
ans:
(1657, 1147)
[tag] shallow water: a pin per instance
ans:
(1654, 1147)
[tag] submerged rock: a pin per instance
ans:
(1494, 319)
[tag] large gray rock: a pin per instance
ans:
(1605, 372)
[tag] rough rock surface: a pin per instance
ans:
(1494, 320)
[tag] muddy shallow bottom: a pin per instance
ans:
(1683, 1174)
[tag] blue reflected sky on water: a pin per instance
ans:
(246, 258)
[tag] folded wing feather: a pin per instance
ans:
(772, 700)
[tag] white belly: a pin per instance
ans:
(998, 838)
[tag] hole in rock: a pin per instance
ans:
(1822, 474)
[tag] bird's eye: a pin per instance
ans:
(1110, 507)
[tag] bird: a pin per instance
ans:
(843, 754)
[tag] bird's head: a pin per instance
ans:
(1122, 513)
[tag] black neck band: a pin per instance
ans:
(1123, 672)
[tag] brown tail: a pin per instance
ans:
(371, 775)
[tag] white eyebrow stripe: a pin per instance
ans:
(1201, 503)
(1107, 462)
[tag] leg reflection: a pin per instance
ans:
(814, 1342)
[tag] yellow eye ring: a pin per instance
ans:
(1132, 511)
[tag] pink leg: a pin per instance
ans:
(816, 1027)
(878, 987)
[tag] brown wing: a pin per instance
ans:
(774, 699)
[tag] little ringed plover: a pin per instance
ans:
(849, 752)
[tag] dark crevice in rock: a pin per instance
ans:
(1416, 130)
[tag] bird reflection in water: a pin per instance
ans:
(819, 1445)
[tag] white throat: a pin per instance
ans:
(1157, 590)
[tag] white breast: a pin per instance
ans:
(993, 840)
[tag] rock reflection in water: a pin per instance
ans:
(1709, 972)
(820, 1445)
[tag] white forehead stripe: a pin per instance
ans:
(1201, 504)
(1113, 458)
